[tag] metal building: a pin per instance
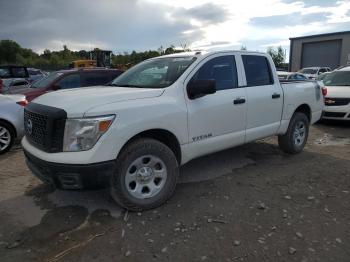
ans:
(331, 50)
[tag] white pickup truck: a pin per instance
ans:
(135, 133)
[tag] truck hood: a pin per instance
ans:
(78, 101)
(338, 91)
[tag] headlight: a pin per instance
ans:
(82, 133)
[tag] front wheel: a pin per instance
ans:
(294, 140)
(146, 175)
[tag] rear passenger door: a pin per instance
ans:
(264, 95)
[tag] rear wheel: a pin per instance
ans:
(7, 137)
(146, 175)
(294, 140)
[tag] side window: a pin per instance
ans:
(19, 72)
(19, 83)
(95, 78)
(257, 70)
(69, 81)
(322, 70)
(4, 72)
(222, 69)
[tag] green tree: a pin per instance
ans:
(277, 54)
(8, 51)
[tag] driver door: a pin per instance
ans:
(217, 121)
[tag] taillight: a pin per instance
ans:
(324, 91)
(23, 102)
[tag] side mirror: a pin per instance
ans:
(199, 88)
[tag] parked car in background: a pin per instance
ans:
(337, 100)
(12, 72)
(11, 120)
(35, 74)
(313, 72)
(134, 134)
(10, 85)
(67, 79)
(291, 76)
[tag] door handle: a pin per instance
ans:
(276, 95)
(240, 100)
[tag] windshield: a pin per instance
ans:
(154, 73)
(308, 71)
(34, 72)
(337, 78)
(47, 80)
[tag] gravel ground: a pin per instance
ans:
(251, 203)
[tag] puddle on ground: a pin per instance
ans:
(330, 140)
(23, 210)
(91, 200)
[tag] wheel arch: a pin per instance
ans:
(10, 124)
(305, 109)
(161, 135)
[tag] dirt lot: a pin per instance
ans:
(251, 203)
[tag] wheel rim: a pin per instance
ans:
(146, 177)
(299, 133)
(5, 138)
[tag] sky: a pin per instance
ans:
(126, 25)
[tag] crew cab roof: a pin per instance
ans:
(207, 53)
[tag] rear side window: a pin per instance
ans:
(95, 78)
(222, 69)
(257, 70)
(69, 81)
(19, 72)
(4, 72)
(19, 83)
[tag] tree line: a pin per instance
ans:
(12, 53)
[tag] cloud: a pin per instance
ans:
(289, 20)
(117, 25)
(309, 3)
(207, 13)
(121, 25)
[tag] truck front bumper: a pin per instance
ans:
(71, 176)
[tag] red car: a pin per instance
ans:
(72, 78)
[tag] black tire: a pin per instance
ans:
(12, 137)
(135, 150)
(287, 142)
